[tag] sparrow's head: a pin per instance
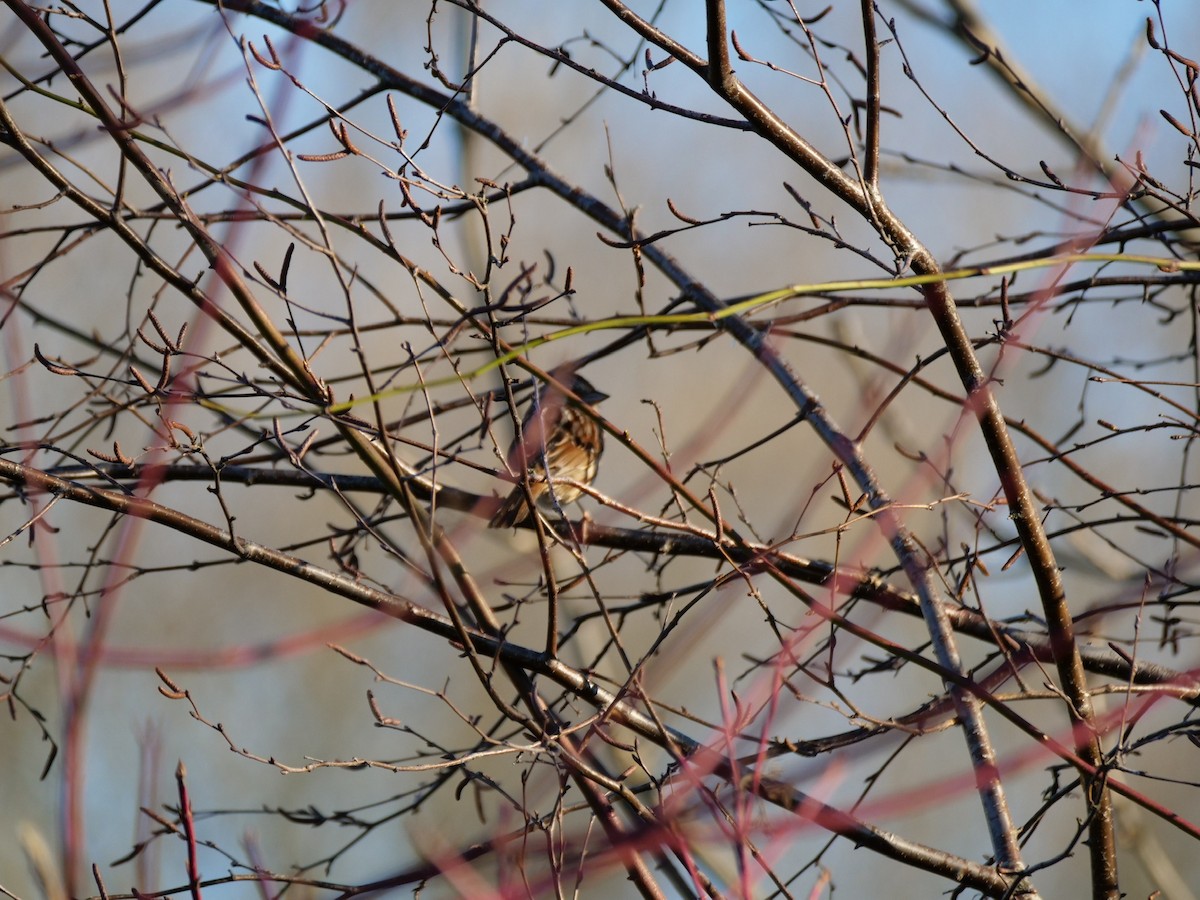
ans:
(582, 388)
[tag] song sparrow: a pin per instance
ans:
(556, 436)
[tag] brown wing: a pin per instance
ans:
(526, 455)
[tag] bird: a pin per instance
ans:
(557, 436)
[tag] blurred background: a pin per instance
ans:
(234, 110)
